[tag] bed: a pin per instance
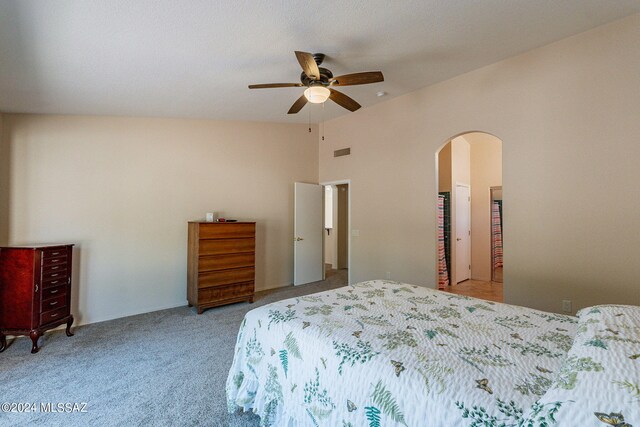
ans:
(383, 353)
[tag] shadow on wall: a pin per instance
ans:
(5, 181)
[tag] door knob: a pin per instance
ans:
(297, 239)
(458, 239)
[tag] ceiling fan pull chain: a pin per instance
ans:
(309, 116)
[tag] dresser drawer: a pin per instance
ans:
(55, 268)
(54, 279)
(226, 246)
(54, 292)
(51, 315)
(54, 303)
(225, 277)
(221, 262)
(226, 230)
(53, 253)
(225, 292)
(59, 260)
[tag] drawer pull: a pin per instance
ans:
(54, 282)
(55, 291)
(54, 253)
(54, 315)
(55, 267)
(53, 303)
(54, 275)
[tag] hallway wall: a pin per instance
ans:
(486, 172)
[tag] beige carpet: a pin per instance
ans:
(165, 368)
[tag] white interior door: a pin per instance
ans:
(307, 228)
(463, 233)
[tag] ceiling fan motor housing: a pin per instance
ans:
(325, 76)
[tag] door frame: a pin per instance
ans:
(339, 182)
(454, 213)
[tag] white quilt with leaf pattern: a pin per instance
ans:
(383, 353)
(598, 383)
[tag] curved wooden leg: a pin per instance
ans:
(3, 342)
(34, 335)
(69, 323)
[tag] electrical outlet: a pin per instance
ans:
(566, 306)
(388, 275)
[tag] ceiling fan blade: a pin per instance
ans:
(308, 64)
(343, 100)
(270, 85)
(297, 106)
(358, 79)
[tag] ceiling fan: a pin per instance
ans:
(319, 82)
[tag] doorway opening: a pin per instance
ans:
(336, 231)
(469, 215)
(318, 236)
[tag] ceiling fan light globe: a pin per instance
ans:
(317, 94)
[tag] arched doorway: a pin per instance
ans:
(469, 213)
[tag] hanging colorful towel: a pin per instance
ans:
(443, 274)
(496, 234)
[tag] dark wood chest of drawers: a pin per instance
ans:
(221, 263)
(35, 291)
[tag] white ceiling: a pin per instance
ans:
(195, 58)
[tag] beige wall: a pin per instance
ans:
(486, 172)
(567, 114)
(123, 189)
(460, 174)
(5, 165)
(444, 168)
(460, 162)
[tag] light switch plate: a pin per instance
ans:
(566, 306)
(355, 233)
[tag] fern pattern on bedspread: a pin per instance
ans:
(383, 353)
(599, 380)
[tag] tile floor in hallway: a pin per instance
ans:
(491, 291)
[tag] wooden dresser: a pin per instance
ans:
(35, 291)
(221, 263)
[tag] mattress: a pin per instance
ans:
(382, 353)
